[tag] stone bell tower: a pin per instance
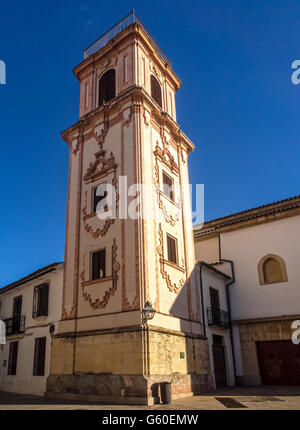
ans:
(104, 350)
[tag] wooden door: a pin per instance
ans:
(279, 362)
(219, 364)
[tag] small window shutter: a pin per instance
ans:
(171, 249)
(12, 360)
(214, 298)
(103, 262)
(43, 300)
(42, 354)
(36, 356)
(35, 301)
(95, 266)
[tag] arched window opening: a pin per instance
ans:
(107, 87)
(156, 91)
(272, 269)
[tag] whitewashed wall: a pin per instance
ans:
(246, 247)
(210, 279)
(24, 381)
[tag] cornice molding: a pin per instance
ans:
(138, 98)
(248, 219)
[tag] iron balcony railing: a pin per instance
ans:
(217, 317)
(14, 325)
(131, 18)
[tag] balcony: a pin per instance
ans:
(219, 318)
(131, 18)
(14, 325)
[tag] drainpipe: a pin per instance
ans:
(228, 302)
(202, 301)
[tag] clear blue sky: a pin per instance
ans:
(237, 104)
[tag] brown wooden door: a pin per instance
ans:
(219, 364)
(279, 362)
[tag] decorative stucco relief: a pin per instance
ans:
(154, 70)
(127, 114)
(75, 145)
(100, 168)
(147, 117)
(170, 163)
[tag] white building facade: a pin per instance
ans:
(263, 246)
(213, 284)
(30, 309)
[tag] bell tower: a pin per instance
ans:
(105, 348)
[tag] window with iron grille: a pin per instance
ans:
(99, 264)
(107, 86)
(13, 356)
(40, 300)
(172, 249)
(156, 90)
(168, 186)
(39, 356)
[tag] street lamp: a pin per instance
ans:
(148, 312)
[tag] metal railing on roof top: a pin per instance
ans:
(131, 18)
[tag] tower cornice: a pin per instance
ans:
(137, 96)
(134, 34)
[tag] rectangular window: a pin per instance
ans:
(40, 300)
(172, 249)
(12, 360)
(39, 356)
(99, 264)
(168, 186)
(214, 298)
(97, 199)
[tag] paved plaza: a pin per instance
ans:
(238, 398)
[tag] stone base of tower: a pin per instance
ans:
(123, 389)
(128, 365)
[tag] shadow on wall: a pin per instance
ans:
(189, 354)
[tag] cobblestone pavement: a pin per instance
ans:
(242, 398)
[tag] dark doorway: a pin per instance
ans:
(219, 360)
(279, 362)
